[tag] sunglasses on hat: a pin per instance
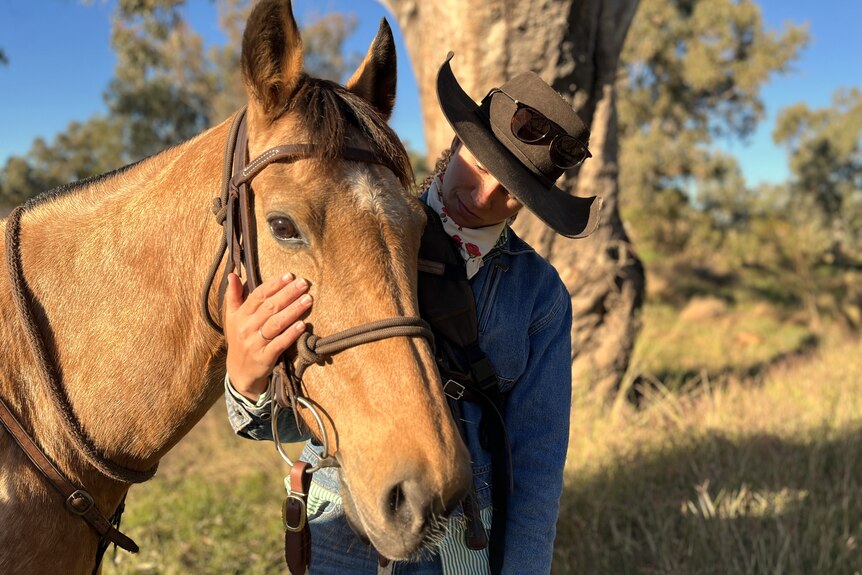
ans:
(531, 126)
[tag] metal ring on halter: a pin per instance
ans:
(326, 460)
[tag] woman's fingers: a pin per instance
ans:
(233, 294)
(277, 302)
(283, 341)
(262, 293)
(273, 325)
(263, 327)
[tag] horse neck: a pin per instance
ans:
(118, 267)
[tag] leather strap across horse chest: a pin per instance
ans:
(78, 500)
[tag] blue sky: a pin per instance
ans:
(60, 62)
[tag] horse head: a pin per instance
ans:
(353, 230)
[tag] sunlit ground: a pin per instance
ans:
(752, 473)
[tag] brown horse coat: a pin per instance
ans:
(116, 265)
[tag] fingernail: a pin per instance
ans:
(301, 282)
(287, 277)
(299, 326)
(305, 300)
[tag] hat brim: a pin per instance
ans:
(571, 216)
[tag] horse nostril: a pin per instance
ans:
(396, 499)
(407, 506)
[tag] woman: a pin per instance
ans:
(508, 152)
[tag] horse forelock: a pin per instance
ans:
(328, 111)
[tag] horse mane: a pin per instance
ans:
(66, 189)
(327, 110)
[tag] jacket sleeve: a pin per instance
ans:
(252, 420)
(537, 414)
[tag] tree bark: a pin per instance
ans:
(574, 45)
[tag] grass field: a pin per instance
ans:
(743, 455)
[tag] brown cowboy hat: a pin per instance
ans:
(528, 170)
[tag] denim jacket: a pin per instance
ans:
(524, 312)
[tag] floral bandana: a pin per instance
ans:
(473, 243)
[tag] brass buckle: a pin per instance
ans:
(77, 495)
(303, 513)
(455, 391)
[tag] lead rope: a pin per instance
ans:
(312, 350)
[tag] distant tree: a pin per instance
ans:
(166, 89)
(163, 84)
(85, 149)
(785, 242)
(691, 71)
(825, 147)
(3, 59)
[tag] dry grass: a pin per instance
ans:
(213, 508)
(746, 477)
(721, 474)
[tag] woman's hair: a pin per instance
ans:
(439, 167)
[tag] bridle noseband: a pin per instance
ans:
(234, 209)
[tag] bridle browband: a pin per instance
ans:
(234, 210)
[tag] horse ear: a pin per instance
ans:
(271, 57)
(376, 77)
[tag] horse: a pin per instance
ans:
(114, 266)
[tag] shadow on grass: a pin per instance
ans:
(676, 379)
(719, 505)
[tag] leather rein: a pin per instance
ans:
(78, 501)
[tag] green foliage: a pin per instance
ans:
(166, 89)
(709, 338)
(162, 81)
(200, 524)
(323, 41)
(825, 149)
(83, 150)
(691, 70)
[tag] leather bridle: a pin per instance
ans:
(234, 210)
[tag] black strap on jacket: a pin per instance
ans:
(446, 302)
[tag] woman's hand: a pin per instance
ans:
(261, 328)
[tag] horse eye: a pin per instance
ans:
(283, 228)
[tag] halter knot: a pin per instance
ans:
(306, 351)
(219, 209)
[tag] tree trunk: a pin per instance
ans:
(575, 46)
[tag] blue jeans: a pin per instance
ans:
(336, 550)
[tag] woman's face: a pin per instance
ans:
(472, 196)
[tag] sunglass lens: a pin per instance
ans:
(567, 152)
(528, 125)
